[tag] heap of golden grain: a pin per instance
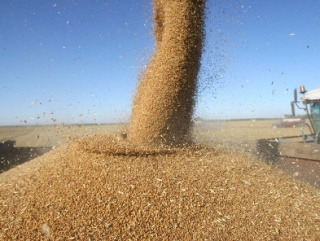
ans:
(107, 187)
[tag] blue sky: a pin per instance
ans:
(78, 61)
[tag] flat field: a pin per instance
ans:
(51, 136)
(221, 133)
(240, 134)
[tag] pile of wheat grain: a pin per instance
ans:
(114, 190)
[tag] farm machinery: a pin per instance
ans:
(305, 146)
(311, 104)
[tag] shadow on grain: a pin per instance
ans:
(11, 156)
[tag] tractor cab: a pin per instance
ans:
(311, 102)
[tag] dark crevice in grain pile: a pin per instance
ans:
(164, 103)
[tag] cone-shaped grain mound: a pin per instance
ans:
(80, 193)
(163, 106)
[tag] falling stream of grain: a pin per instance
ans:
(163, 106)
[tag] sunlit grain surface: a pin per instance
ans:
(82, 191)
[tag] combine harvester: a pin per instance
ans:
(307, 145)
